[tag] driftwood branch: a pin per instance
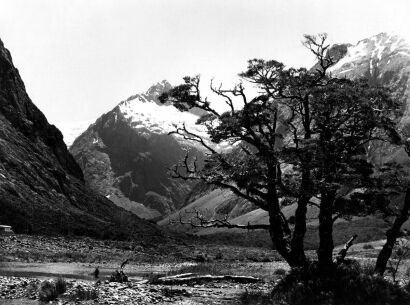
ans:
(342, 253)
(192, 278)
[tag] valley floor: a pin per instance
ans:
(26, 261)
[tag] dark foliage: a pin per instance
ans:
(119, 276)
(47, 291)
(256, 297)
(349, 284)
(50, 290)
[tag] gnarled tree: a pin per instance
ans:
(305, 122)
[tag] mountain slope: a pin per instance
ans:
(383, 59)
(127, 152)
(215, 203)
(41, 186)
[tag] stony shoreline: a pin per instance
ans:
(135, 292)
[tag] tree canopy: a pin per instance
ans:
(302, 139)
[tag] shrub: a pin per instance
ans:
(47, 292)
(399, 256)
(60, 285)
(255, 297)
(367, 268)
(118, 276)
(280, 271)
(345, 285)
(368, 247)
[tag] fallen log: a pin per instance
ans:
(173, 280)
(179, 275)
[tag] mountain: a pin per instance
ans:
(383, 59)
(122, 153)
(42, 188)
(126, 154)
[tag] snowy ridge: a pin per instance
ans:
(372, 52)
(146, 115)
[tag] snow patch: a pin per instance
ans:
(158, 118)
(353, 53)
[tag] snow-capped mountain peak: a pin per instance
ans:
(370, 53)
(148, 115)
(145, 114)
(152, 94)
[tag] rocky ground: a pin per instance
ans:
(33, 248)
(27, 261)
(14, 289)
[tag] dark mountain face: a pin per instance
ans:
(41, 185)
(127, 152)
(23, 115)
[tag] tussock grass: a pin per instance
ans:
(50, 290)
(256, 297)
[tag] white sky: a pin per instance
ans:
(79, 58)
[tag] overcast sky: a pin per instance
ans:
(79, 58)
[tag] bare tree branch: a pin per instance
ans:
(199, 221)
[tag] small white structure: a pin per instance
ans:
(6, 229)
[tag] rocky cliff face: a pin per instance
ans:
(126, 154)
(41, 185)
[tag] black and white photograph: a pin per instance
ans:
(194, 152)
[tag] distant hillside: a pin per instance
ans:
(41, 186)
(215, 203)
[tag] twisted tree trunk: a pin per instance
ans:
(298, 238)
(280, 232)
(392, 235)
(325, 250)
